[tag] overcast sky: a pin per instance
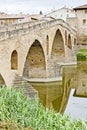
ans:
(35, 6)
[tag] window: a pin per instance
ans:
(85, 11)
(67, 15)
(84, 21)
(1, 23)
(14, 60)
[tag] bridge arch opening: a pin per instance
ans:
(58, 51)
(14, 60)
(65, 37)
(69, 42)
(36, 61)
(47, 41)
(2, 82)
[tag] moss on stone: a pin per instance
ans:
(82, 55)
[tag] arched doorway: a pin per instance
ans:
(14, 60)
(36, 61)
(58, 51)
(69, 42)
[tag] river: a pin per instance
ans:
(68, 95)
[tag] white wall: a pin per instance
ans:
(62, 13)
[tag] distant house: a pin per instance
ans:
(33, 17)
(62, 13)
(7, 19)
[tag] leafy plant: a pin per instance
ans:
(30, 113)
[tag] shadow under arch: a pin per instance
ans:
(35, 65)
(2, 81)
(47, 42)
(58, 49)
(65, 37)
(69, 42)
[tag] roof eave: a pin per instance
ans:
(80, 9)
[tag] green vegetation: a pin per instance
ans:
(82, 55)
(19, 110)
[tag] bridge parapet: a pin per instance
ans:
(25, 28)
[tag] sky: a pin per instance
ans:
(35, 6)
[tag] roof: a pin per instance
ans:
(81, 7)
(3, 18)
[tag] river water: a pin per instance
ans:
(69, 94)
(76, 107)
(51, 95)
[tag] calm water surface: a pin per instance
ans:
(76, 107)
(53, 95)
(65, 96)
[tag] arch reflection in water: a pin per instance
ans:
(2, 82)
(52, 95)
(76, 78)
(55, 94)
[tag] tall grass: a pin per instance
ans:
(19, 109)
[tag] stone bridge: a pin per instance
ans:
(35, 50)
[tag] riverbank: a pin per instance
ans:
(19, 109)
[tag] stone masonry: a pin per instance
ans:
(35, 50)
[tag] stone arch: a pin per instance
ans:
(35, 61)
(2, 82)
(69, 42)
(14, 60)
(58, 50)
(47, 43)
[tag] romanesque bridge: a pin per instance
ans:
(35, 50)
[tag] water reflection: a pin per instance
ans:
(63, 95)
(52, 95)
(81, 89)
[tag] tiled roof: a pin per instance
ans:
(81, 7)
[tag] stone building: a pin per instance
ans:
(81, 15)
(62, 13)
(79, 22)
(9, 20)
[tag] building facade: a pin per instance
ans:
(62, 13)
(8, 19)
(81, 16)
